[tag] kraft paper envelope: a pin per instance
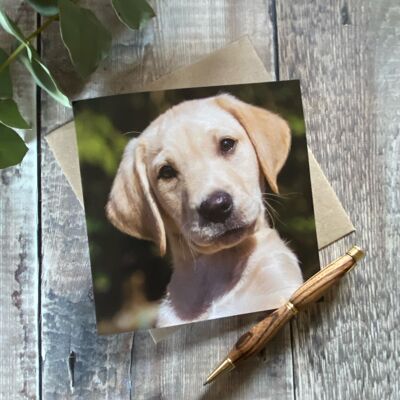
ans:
(236, 63)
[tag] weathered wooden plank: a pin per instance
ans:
(181, 33)
(348, 58)
(178, 365)
(18, 241)
(102, 364)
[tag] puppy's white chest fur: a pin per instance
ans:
(260, 274)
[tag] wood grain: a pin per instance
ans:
(348, 58)
(18, 241)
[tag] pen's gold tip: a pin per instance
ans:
(226, 366)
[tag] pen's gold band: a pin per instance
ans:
(290, 306)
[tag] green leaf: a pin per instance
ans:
(133, 13)
(10, 115)
(44, 7)
(10, 27)
(86, 39)
(43, 77)
(12, 147)
(6, 91)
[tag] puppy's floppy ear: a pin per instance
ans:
(131, 206)
(268, 132)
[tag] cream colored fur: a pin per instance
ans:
(219, 269)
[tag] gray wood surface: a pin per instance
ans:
(348, 58)
(19, 267)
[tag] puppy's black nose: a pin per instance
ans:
(217, 208)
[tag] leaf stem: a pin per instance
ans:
(21, 47)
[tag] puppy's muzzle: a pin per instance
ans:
(217, 207)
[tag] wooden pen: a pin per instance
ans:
(257, 337)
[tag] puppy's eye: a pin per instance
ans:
(167, 172)
(226, 145)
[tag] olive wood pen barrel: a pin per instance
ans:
(256, 338)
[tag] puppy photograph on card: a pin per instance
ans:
(198, 202)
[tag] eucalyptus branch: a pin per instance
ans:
(22, 46)
(85, 50)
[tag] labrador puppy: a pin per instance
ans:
(194, 180)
